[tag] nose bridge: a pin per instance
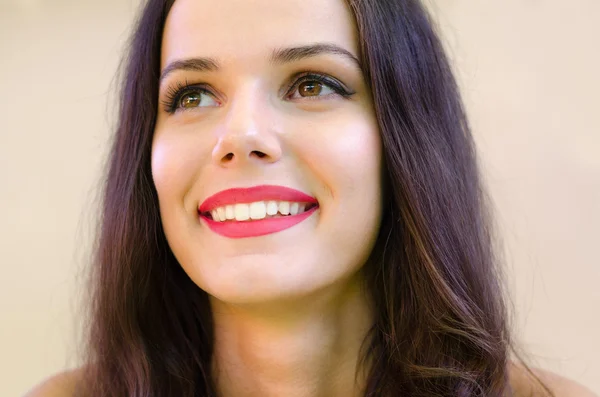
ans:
(243, 109)
(245, 131)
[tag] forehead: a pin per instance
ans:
(247, 30)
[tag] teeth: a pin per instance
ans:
(284, 208)
(294, 209)
(221, 213)
(272, 208)
(242, 212)
(257, 210)
(229, 212)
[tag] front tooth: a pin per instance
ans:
(221, 213)
(229, 212)
(284, 207)
(215, 215)
(258, 210)
(242, 212)
(272, 208)
(294, 209)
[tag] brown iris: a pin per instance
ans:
(191, 100)
(310, 88)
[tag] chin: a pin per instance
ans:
(253, 281)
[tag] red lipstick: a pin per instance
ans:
(259, 227)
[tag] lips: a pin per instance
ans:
(256, 193)
(254, 228)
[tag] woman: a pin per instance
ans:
(293, 208)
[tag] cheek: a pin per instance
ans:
(345, 155)
(345, 158)
(174, 163)
(164, 168)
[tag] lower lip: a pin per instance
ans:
(250, 228)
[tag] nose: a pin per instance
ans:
(248, 133)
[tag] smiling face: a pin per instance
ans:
(266, 93)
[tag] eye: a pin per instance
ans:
(312, 88)
(196, 99)
(187, 97)
(313, 85)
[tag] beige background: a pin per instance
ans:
(529, 70)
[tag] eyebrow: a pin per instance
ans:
(278, 56)
(292, 54)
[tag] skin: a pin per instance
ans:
(289, 310)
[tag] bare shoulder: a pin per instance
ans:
(58, 385)
(525, 385)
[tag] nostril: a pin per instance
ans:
(259, 154)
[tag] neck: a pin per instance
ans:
(303, 347)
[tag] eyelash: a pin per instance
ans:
(176, 92)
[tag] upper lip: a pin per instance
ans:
(252, 194)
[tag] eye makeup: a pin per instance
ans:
(180, 93)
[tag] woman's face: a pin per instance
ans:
(274, 97)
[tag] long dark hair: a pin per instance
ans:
(441, 325)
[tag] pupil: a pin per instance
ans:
(311, 88)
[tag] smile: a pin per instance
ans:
(255, 228)
(258, 210)
(238, 213)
